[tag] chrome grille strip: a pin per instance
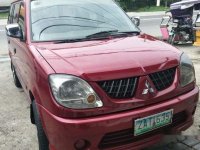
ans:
(125, 92)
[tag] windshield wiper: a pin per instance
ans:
(102, 33)
(98, 36)
(130, 32)
(79, 40)
(112, 33)
(69, 40)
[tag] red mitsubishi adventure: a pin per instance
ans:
(93, 80)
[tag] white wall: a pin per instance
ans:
(4, 3)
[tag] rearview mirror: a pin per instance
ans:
(13, 30)
(136, 20)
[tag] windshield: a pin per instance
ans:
(66, 19)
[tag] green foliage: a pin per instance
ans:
(3, 15)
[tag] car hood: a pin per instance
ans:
(112, 58)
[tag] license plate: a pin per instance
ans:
(147, 124)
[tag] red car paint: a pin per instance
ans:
(99, 61)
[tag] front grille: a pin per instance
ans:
(119, 89)
(127, 136)
(163, 79)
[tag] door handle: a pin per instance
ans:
(15, 50)
(8, 41)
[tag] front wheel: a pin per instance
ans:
(42, 138)
(15, 77)
(171, 39)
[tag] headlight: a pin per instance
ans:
(73, 92)
(186, 70)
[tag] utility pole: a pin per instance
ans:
(158, 3)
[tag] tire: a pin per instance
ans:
(42, 138)
(171, 39)
(15, 77)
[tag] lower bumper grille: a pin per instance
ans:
(127, 136)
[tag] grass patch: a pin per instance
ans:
(152, 9)
(3, 15)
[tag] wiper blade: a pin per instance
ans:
(79, 40)
(112, 33)
(102, 33)
(98, 36)
(69, 41)
(130, 32)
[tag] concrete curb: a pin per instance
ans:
(141, 14)
(3, 22)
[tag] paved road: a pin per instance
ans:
(151, 25)
(3, 43)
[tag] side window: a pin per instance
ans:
(10, 17)
(21, 19)
(16, 13)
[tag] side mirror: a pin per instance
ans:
(136, 20)
(13, 30)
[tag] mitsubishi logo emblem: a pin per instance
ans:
(148, 89)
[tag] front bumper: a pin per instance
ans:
(63, 133)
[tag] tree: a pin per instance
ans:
(158, 3)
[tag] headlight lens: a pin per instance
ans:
(73, 92)
(186, 70)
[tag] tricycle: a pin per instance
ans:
(177, 27)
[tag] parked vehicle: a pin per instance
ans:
(179, 27)
(165, 27)
(197, 30)
(93, 80)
